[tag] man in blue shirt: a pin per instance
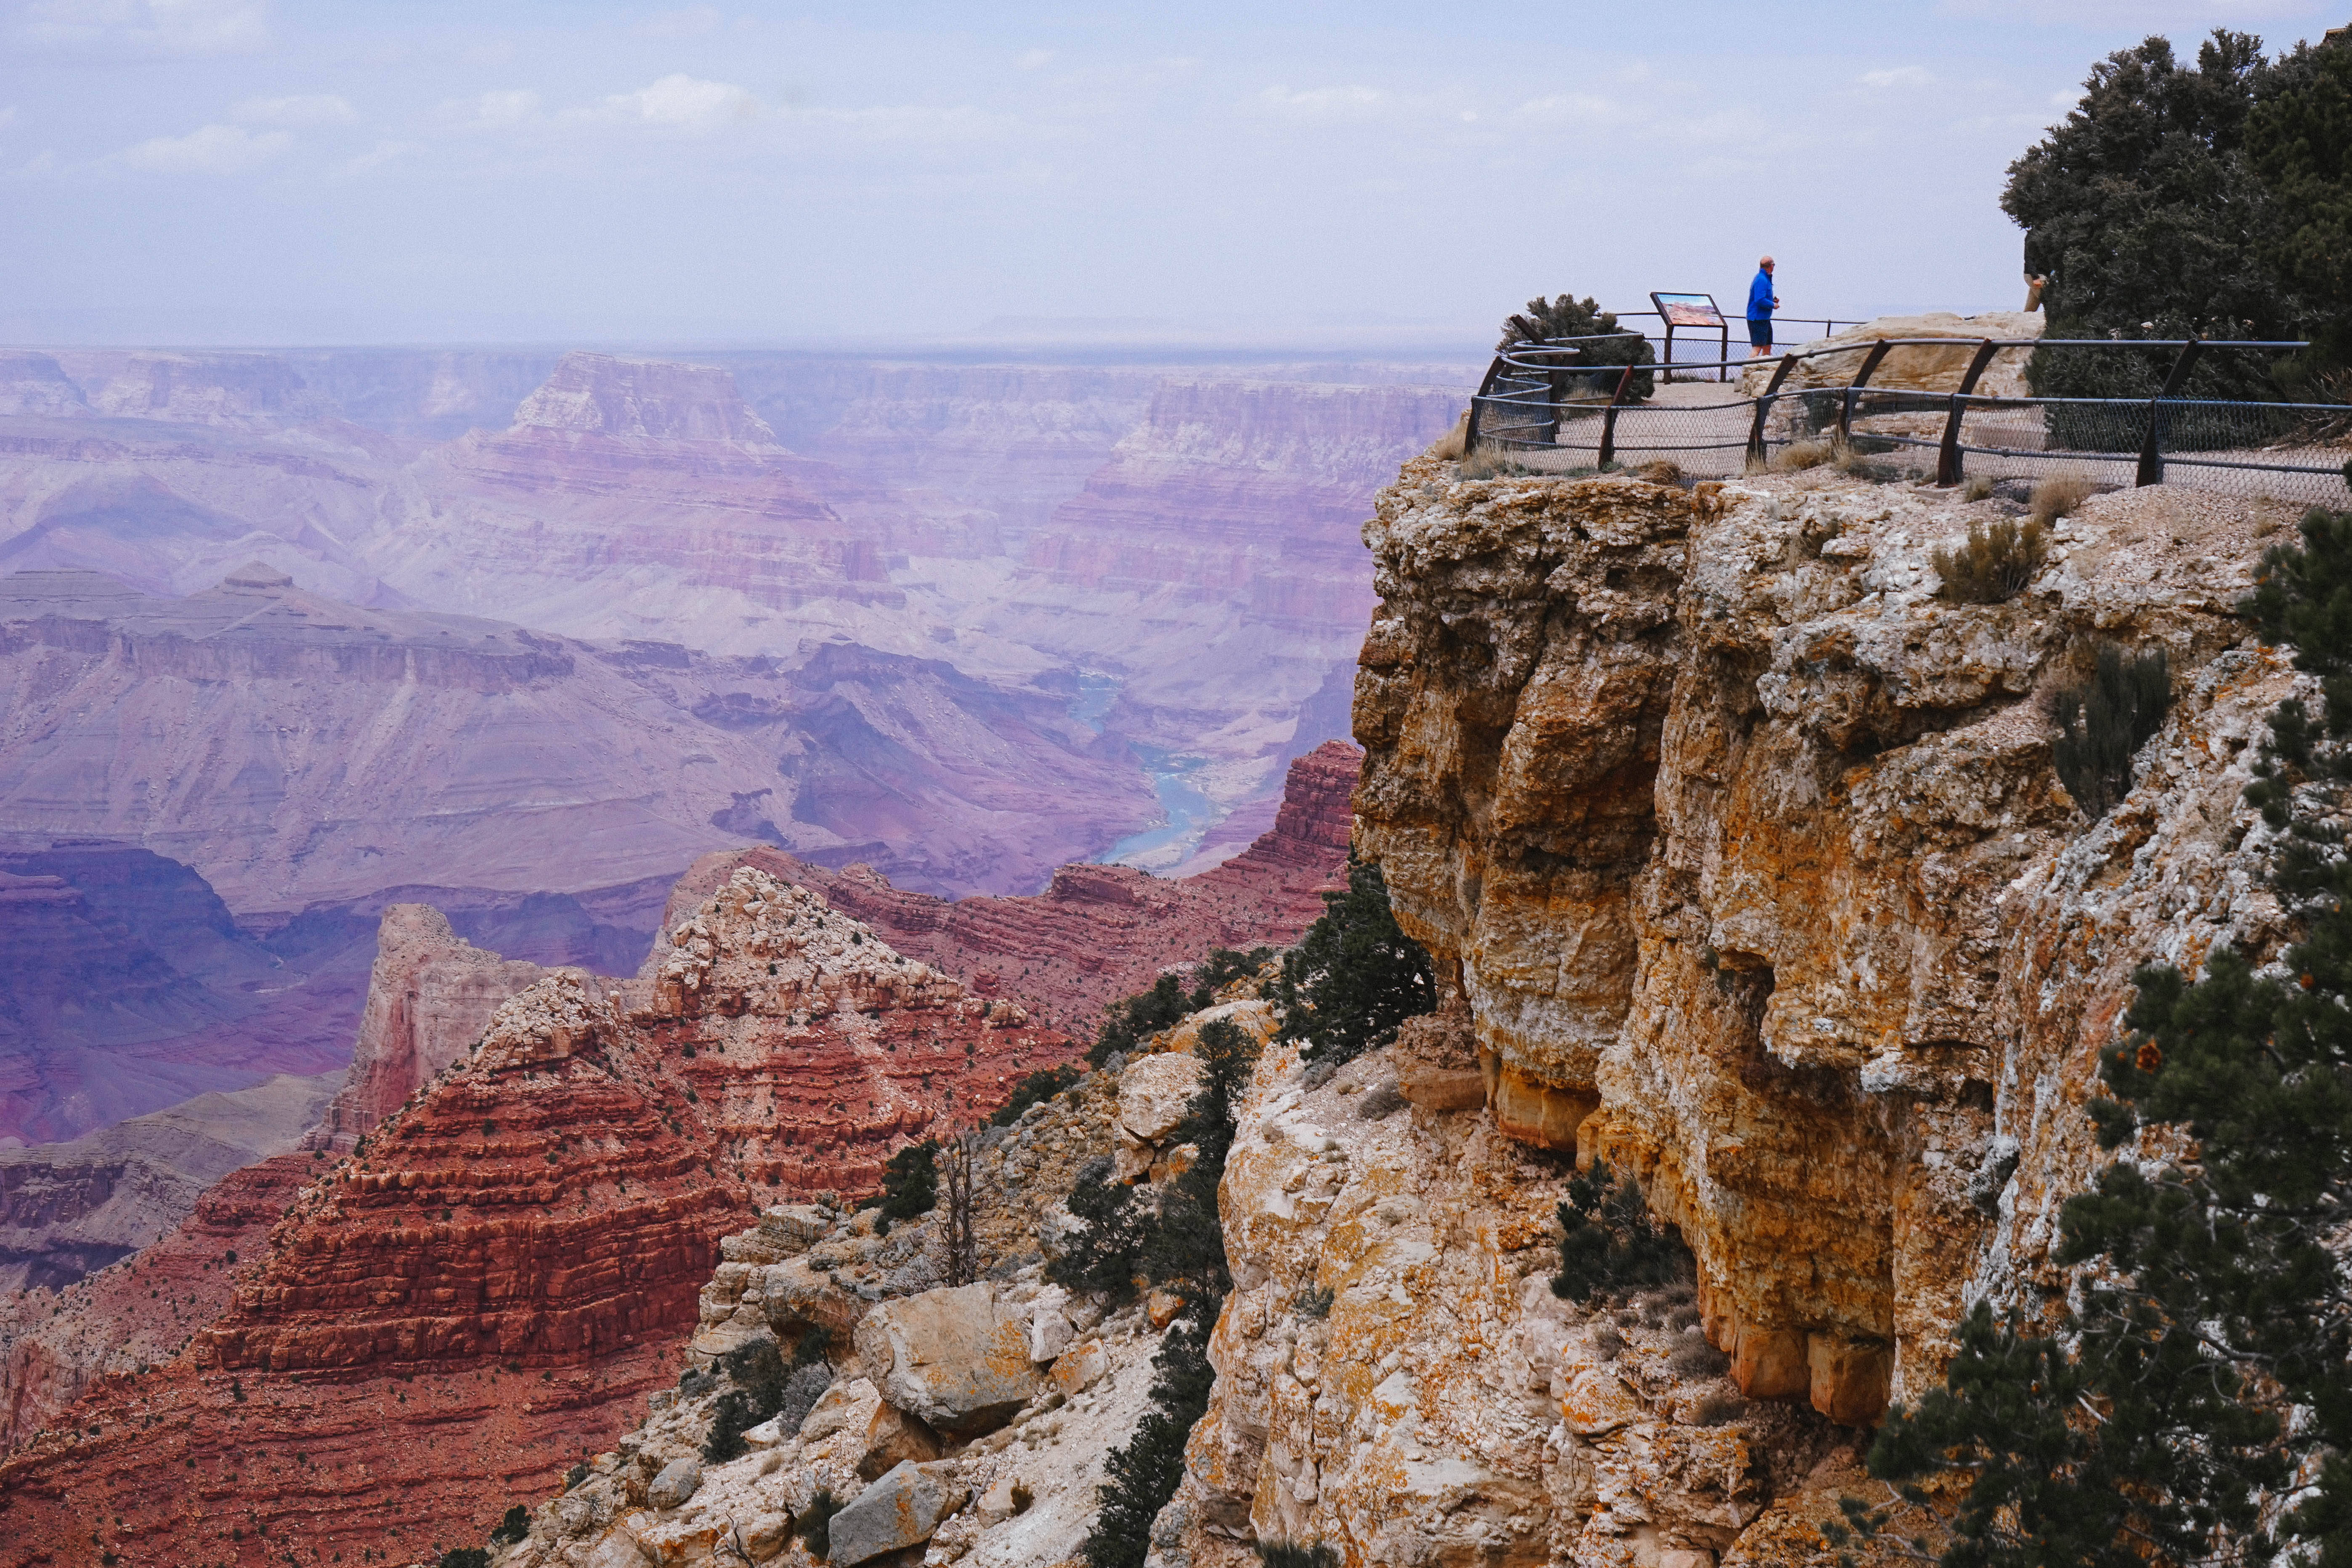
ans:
(1762, 301)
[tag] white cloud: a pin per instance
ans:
(376, 157)
(7, 117)
(1035, 60)
(687, 102)
(690, 23)
(509, 106)
(1581, 106)
(147, 27)
(1324, 102)
(210, 149)
(1898, 76)
(302, 110)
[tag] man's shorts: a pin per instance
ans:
(1760, 331)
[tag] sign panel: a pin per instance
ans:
(1688, 310)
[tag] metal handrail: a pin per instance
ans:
(1530, 377)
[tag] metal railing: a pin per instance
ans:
(1552, 407)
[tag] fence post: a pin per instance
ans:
(1479, 405)
(1948, 460)
(2151, 452)
(1764, 405)
(1861, 379)
(1609, 420)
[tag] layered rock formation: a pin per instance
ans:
(69, 1208)
(1397, 1382)
(543, 1210)
(322, 752)
(1100, 933)
(1746, 856)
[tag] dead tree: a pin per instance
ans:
(963, 1254)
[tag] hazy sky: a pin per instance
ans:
(194, 171)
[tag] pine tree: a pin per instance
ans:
(1354, 975)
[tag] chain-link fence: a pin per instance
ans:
(1539, 413)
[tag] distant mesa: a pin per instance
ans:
(599, 394)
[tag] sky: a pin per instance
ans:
(1365, 173)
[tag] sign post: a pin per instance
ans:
(1692, 310)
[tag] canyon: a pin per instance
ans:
(549, 1160)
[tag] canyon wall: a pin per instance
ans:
(1745, 853)
(320, 751)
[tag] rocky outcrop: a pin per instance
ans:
(545, 1209)
(1397, 1382)
(1746, 856)
(599, 394)
(1100, 933)
(431, 994)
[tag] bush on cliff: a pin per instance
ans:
(1180, 1248)
(2103, 723)
(1102, 1256)
(910, 1185)
(1354, 975)
(1127, 1024)
(1610, 1243)
(757, 1371)
(1035, 1090)
(2195, 1405)
(1569, 317)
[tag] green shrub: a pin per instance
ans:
(1104, 1256)
(1994, 564)
(465, 1557)
(1609, 1242)
(1296, 1554)
(1354, 975)
(757, 1370)
(910, 1185)
(814, 1527)
(1569, 317)
(512, 1528)
(1313, 1303)
(2103, 724)
(1127, 1024)
(1035, 1090)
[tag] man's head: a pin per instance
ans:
(1764, 263)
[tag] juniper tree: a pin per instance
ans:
(1354, 975)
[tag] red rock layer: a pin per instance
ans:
(430, 995)
(144, 1311)
(544, 1210)
(1101, 932)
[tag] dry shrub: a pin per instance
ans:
(1978, 488)
(1801, 454)
(1487, 463)
(1694, 1357)
(1660, 472)
(1717, 1409)
(2059, 495)
(1993, 564)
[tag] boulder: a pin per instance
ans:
(620, 1550)
(848, 1405)
(679, 1479)
(1162, 1306)
(1436, 1062)
(893, 1437)
(1154, 1093)
(1049, 1333)
(956, 1358)
(902, 1508)
(1080, 1368)
(1598, 1401)
(766, 1535)
(797, 1227)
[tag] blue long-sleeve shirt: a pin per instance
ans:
(1759, 297)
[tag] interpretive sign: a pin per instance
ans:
(1688, 310)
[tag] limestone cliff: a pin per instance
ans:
(1746, 866)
